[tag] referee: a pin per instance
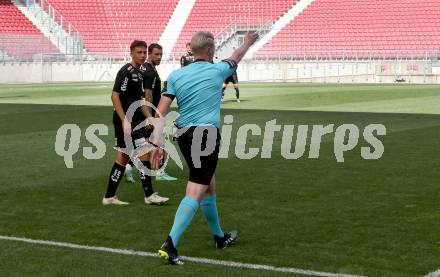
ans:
(197, 88)
(127, 90)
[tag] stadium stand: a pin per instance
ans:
(18, 36)
(327, 27)
(227, 13)
(111, 25)
(359, 25)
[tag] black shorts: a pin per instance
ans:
(233, 78)
(138, 137)
(201, 167)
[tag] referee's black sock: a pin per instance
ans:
(237, 93)
(146, 180)
(114, 179)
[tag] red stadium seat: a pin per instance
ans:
(111, 25)
(18, 36)
(217, 16)
(371, 25)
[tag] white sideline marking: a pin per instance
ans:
(433, 274)
(185, 258)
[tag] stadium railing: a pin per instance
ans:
(64, 34)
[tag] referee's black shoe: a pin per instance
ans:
(226, 240)
(169, 253)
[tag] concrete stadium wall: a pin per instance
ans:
(66, 72)
(386, 71)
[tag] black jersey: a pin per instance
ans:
(186, 59)
(152, 81)
(129, 85)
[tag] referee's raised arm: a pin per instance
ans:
(249, 39)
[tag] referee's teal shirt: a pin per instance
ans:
(197, 88)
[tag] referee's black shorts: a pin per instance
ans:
(208, 163)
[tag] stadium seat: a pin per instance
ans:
(361, 25)
(227, 13)
(111, 25)
(18, 36)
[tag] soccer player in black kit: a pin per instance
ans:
(234, 79)
(152, 88)
(128, 88)
(188, 57)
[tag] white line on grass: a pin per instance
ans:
(433, 274)
(185, 258)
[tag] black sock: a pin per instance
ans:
(114, 179)
(237, 93)
(146, 180)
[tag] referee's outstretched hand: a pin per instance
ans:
(250, 38)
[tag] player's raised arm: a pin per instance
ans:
(249, 39)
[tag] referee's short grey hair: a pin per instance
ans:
(200, 41)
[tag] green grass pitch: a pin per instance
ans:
(364, 217)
